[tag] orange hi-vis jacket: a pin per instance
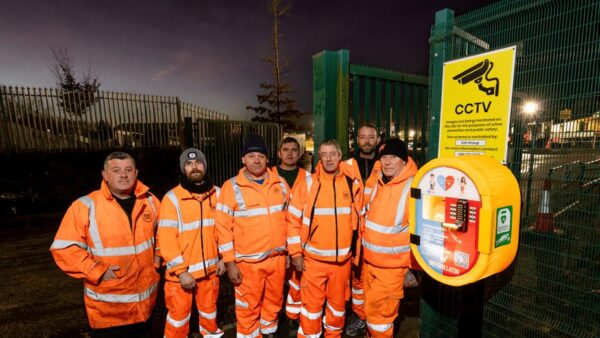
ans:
(324, 212)
(94, 234)
(370, 183)
(303, 175)
(186, 232)
(385, 236)
(251, 223)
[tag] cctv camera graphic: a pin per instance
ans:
(477, 73)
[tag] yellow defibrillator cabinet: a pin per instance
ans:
(464, 218)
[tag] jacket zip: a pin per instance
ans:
(312, 214)
(336, 220)
(202, 237)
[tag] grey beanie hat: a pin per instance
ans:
(191, 154)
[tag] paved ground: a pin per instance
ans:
(38, 300)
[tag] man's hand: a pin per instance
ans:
(298, 263)
(109, 273)
(410, 281)
(187, 280)
(233, 272)
(157, 261)
(221, 267)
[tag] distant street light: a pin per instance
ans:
(531, 108)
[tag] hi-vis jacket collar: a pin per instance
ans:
(140, 190)
(408, 171)
(272, 178)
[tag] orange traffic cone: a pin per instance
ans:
(544, 221)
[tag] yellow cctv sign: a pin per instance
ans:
(476, 100)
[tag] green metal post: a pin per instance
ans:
(356, 110)
(441, 51)
(330, 98)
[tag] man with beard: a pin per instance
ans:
(251, 228)
(188, 244)
(368, 140)
(106, 238)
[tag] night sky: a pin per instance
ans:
(208, 52)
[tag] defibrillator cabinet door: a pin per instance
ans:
(462, 218)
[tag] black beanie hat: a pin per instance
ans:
(394, 146)
(254, 143)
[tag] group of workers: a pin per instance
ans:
(336, 234)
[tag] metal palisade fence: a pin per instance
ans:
(554, 153)
(222, 141)
(41, 119)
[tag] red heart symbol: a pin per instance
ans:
(449, 182)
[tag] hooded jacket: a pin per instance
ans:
(385, 236)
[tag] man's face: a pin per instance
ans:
(194, 171)
(330, 158)
(391, 165)
(120, 175)
(367, 140)
(255, 163)
(289, 154)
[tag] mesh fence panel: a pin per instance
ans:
(554, 288)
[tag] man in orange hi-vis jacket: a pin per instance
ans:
(323, 220)
(107, 239)
(186, 235)
(251, 232)
(385, 238)
(289, 154)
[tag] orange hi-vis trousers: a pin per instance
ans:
(384, 288)
(179, 306)
(259, 296)
(323, 281)
(358, 296)
(293, 301)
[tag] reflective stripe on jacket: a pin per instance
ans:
(186, 232)
(250, 218)
(324, 212)
(371, 184)
(304, 177)
(94, 234)
(385, 236)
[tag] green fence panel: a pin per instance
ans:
(553, 288)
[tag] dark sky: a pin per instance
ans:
(208, 52)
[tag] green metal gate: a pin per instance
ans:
(346, 95)
(554, 153)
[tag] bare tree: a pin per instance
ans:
(275, 105)
(78, 94)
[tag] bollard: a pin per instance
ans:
(544, 221)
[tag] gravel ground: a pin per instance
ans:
(39, 300)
